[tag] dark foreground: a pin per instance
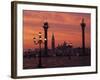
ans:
(56, 61)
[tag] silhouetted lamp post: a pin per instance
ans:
(45, 26)
(39, 42)
(83, 35)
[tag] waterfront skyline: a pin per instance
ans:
(65, 26)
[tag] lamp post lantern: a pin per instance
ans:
(45, 26)
(39, 42)
(83, 25)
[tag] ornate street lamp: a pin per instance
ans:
(39, 42)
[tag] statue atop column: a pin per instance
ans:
(45, 26)
(83, 24)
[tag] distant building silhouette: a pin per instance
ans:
(65, 45)
(53, 42)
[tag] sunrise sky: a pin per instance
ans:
(64, 25)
